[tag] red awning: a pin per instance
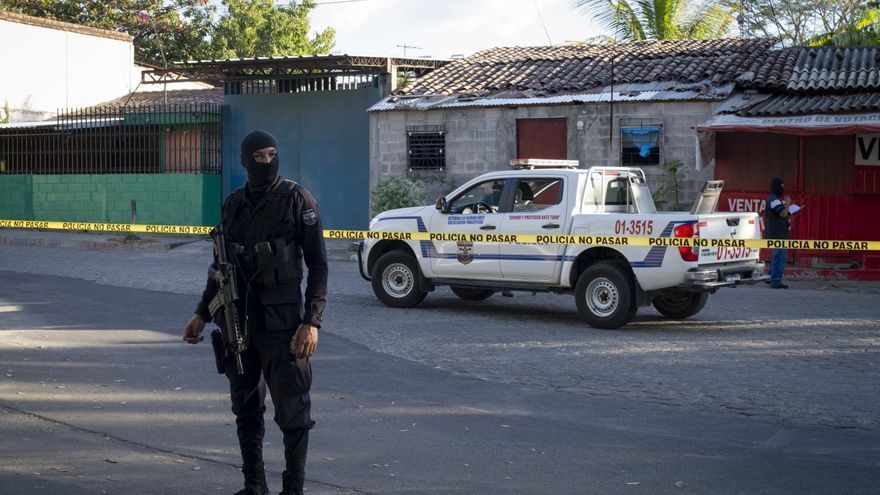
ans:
(800, 125)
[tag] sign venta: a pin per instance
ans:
(868, 149)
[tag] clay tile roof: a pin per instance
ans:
(836, 68)
(175, 97)
(801, 104)
(817, 80)
(552, 70)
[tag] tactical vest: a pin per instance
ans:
(270, 260)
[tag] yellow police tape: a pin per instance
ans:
(106, 227)
(833, 245)
(606, 240)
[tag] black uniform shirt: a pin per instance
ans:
(775, 226)
(306, 230)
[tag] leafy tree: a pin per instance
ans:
(4, 119)
(166, 31)
(862, 29)
(817, 22)
(635, 20)
(162, 29)
(251, 28)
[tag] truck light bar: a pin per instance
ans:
(533, 163)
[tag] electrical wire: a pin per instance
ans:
(541, 17)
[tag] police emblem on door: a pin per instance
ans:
(465, 252)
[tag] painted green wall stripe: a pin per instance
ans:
(162, 199)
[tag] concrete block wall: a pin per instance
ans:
(480, 140)
(15, 197)
(161, 199)
(678, 119)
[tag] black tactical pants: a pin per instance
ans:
(288, 380)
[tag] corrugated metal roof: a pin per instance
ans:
(67, 124)
(29, 125)
(739, 100)
(623, 93)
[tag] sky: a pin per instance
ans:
(447, 28)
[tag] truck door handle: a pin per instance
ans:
(487, 227)
(550, 226)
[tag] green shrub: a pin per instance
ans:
(667, 195)
(397, 192)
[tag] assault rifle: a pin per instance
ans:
(224, 306)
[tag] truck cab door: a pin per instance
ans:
(539, 209)
(474, 211)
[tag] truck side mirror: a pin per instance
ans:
(442, 205)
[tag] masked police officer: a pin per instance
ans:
(776, 226)
(271, 225)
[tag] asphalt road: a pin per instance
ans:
(763, 392)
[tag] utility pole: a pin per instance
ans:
(405, 46)
(741, 20)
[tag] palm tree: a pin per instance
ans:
(636, 20)
(863, 31)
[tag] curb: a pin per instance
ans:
(336, 250)
(92, 245)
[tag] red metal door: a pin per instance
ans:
(747, 161)
(542, 138)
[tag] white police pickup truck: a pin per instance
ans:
(552, 198)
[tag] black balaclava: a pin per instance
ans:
(776, 187)
(260, 175)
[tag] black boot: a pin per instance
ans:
(291, 486)
(254, 490)
(296, 445)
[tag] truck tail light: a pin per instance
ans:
(688, 230)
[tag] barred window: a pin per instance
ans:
(640, 145)
(426, 147)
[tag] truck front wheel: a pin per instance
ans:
(605, 295)
(395, 280)
(679, 304)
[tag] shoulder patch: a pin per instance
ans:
(309, 216)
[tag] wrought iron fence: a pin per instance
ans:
(300, 83)
(117, 140)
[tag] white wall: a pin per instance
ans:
(43, 70)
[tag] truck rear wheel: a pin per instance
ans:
(395, 280)
(679, 304)
(605, 295)
(472, 293)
